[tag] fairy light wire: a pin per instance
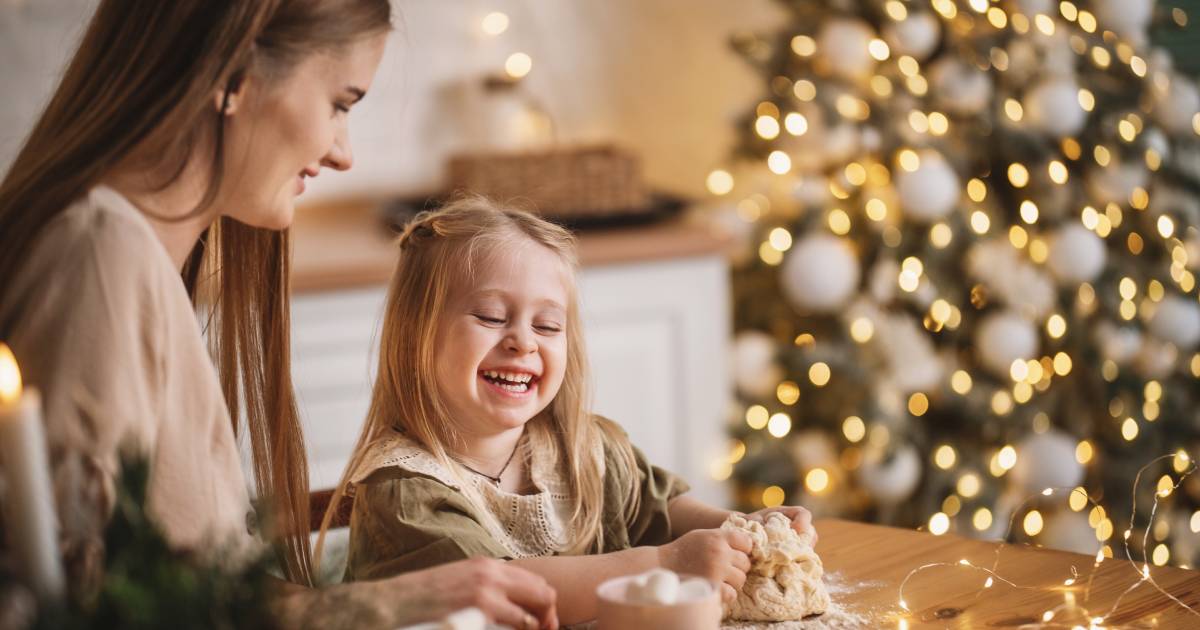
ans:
(1144, 573)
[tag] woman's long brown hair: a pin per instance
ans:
(142, 83)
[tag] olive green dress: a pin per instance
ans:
(410, 511)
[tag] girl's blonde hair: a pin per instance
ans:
(437, 250)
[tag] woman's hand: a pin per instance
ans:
(508, 595)
(719, 555)
(800, 518)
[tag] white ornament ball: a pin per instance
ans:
(1157, 140)
(755, 371)
(1177, 320)
(1004, 337)
(843, 45)
(891, 480)
(1030, 8)
(961, 87)
(1052, 107)
(911, 356)
(840, 143)
(930, 192)
(812, 449)
(1047, 460)
(1176, 107)
(1115, 183)
(1070, 531)
(917, 35)
(1077, 255)
(881, 281)
(811, 190)
(1058, 58)
(820, 273)
(1119, 344)
(1128, 18)
(1156, 359)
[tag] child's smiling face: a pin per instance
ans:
(502, 347)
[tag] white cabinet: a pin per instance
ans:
(657, 339)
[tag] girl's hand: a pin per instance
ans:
(801, 518)
(719, 555)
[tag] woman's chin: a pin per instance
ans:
(278, 216)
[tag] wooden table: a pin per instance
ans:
(869, 562)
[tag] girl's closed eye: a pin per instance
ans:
(490, 318)
(548, 327)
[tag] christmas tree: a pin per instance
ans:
(970, 237)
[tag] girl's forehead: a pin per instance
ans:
(521, 269)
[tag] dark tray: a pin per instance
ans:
(661, 206)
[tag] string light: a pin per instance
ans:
(854, 429)
(788, 393)
(495, 23)
(819, 374)
(918, 404)
(779, 162)
(719, 182)
(779, 425)
(757, 417)
(960, 382)
(968, 485)
(780, 239)
(767, 127)
(862, 329)
(817, 480)
(773, 496)
(796, 124)
(1018, 175)
(518, 65)
(804, 46)
(945, 457)
(1033, 524)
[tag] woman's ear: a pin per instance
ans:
(229, 99)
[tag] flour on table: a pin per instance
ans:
(837, 615)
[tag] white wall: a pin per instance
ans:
(654, 75)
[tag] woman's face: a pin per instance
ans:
(280, 132)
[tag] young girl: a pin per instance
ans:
(479, 441)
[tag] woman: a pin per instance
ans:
(161, 176)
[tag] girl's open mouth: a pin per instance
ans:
(512, 383)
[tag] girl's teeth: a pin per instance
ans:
(508, 376)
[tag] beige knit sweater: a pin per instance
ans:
(100, 322)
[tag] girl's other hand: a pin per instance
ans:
(719, 555)
(800, 518)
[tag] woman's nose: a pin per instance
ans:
(339, 157)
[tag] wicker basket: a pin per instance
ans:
(571, 183)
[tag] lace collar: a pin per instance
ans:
(527, 525)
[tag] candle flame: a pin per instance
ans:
(10, 376)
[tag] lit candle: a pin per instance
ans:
(29, 500)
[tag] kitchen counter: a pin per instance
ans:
(345, 245)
